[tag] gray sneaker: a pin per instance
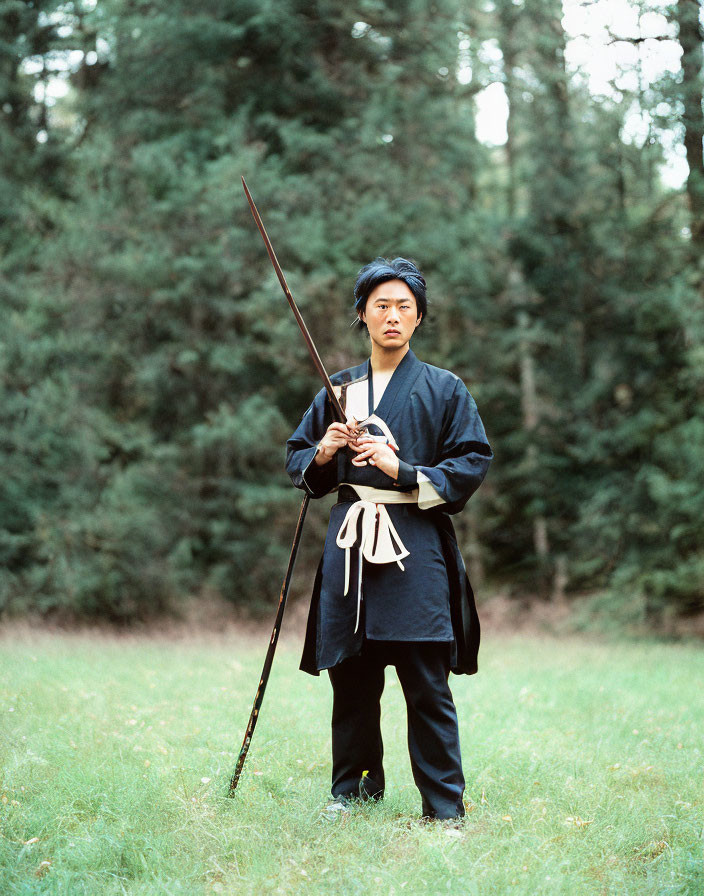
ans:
(338, 807)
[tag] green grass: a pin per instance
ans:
(583, 765)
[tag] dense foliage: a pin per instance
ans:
(150, 371)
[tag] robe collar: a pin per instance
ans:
(393, 401)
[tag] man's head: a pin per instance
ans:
(383, 270)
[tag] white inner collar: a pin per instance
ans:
(380, 381)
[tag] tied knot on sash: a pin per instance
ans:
(377, 541)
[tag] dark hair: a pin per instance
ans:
(381, 270)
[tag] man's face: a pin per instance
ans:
(391, 314)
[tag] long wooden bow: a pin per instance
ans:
(340, 415)
(320, 367)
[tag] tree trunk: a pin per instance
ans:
(529, 407)
(508, 13)
(690, 38)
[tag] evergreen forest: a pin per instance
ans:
(151, 370)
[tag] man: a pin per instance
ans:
(391, 587)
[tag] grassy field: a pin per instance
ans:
(583, 763)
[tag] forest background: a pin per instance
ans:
(150, 370)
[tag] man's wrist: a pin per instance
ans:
(321, 456)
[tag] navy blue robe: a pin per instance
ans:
(444, 454)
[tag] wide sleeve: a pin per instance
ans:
(301, 448)
(464, 456)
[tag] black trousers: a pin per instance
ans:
(423, 668)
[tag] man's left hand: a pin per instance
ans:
(377, 454)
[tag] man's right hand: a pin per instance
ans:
(338, 435)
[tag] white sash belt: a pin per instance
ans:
(379, 541)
